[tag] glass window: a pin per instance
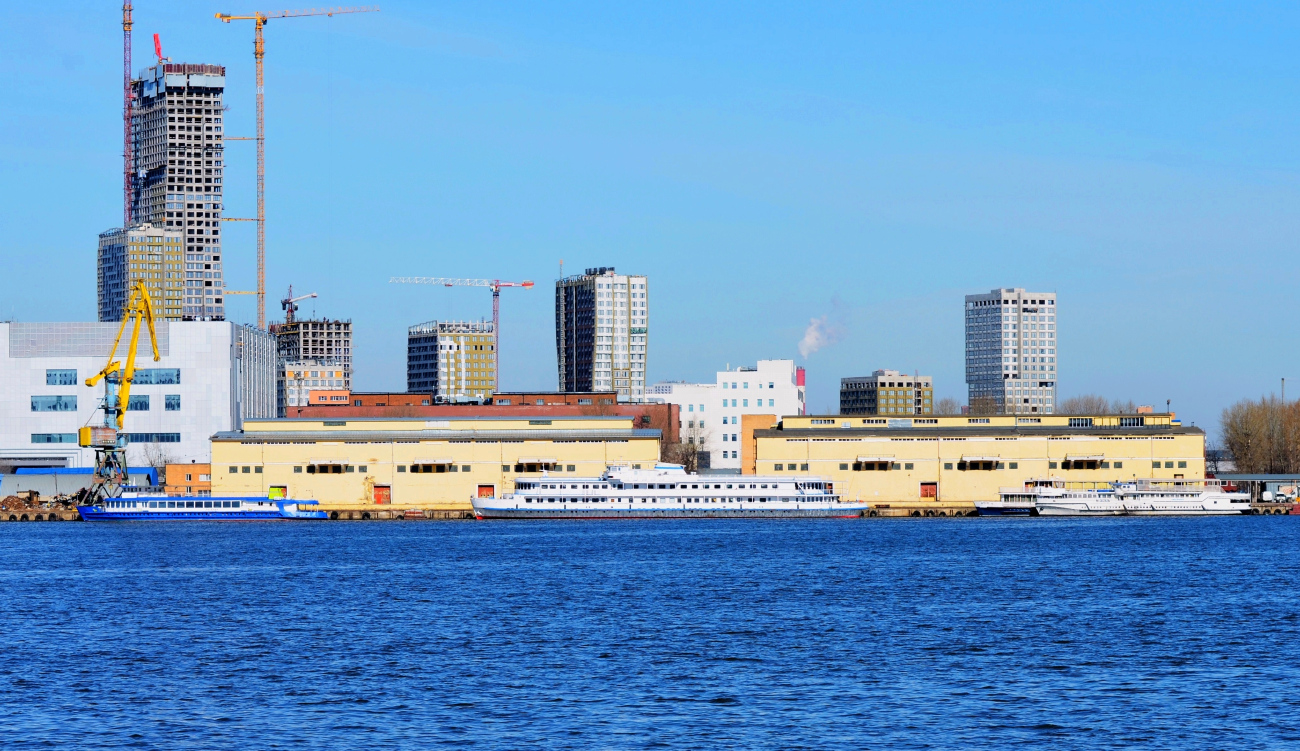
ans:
(54, 437)
(54, 404)
(172, 402)
(298, 470)
(139, 403)
(60, 377)
(157, 377)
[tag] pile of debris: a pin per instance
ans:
(29, 506)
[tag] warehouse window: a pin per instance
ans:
(297, 470)
(54, 404)
(234, 470)
(1051, 465)
(401, 468)
(803, 467)
(247, 470)
(572, 468)
(1155, 465)
(1182, 465)
(257, 470)
(908, 465)
(947, 465)
(842, 466)
(362, 468)
(1014, 465)
(60, 377)
(1119, 465)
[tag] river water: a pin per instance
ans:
(818, 634)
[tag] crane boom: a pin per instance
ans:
(259, 19)
(495, 285)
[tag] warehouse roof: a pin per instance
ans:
(975, 431)
(389, 436)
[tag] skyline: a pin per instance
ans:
(861, 168)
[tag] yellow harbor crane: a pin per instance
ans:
(108, 441)
(259, 19)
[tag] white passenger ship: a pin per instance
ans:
(1139, 498)
(667, 490)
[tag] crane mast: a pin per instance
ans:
(495, 285)
(259, 19)
(108, 441)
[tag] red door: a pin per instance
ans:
(929, 490)
(383, 494)
(487, 491)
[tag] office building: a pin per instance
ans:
(1011, 352)
(307, 346)
(711, 413)
(887, 392)
(431, 463)
(453, 360)
(146, 253)
(179, 147)
(212, 375)
(602, 332)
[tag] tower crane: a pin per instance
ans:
(496, 285)
(259, 19)
(108, 441)
(288, 304)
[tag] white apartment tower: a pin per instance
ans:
(1011, 352)
(602, 332)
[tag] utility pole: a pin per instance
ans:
(259, 19)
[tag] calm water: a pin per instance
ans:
(964, 633)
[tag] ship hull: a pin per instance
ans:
(846, 511)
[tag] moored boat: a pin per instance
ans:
(131, 507)
(666, 491)
(1176, 497)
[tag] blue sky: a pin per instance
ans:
(764, 164)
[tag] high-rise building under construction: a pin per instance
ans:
(177, 138)
(314, 355)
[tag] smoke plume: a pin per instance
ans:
(819, 334)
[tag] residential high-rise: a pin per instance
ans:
(602, 332)
(148, 253)
(1011, 352)
(711, 413)
(453, 360)
(178, 142)
(887, 392)
(305, 346)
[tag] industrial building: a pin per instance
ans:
(452, 360)
(964, 459)
(419, 462)
(887, 392)
(1011, 352)
(711, 413)
(212, 375)
(602, 332)
(313, 355)
(178, 154)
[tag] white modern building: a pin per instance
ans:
(711, 412)
(1011, 352)
(602, 331)
(211, 376)
(455, 361)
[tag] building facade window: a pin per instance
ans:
(60, 377)
(54, 437)
(172, 402)
(138, 403)
(157, 377)
(54, 403)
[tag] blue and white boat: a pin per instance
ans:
(193, 508)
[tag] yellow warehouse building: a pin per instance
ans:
(945, 464)
(418, 462)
